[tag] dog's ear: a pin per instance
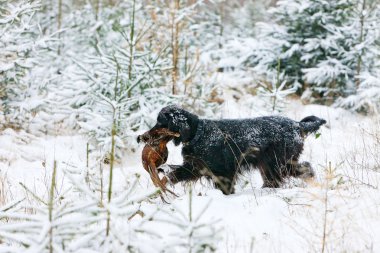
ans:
(178, 123)
(184, 131)
(162, 119)
(174, 125)
(177, 127)
(182, 127)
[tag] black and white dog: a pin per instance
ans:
(221, 149)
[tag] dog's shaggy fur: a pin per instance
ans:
(221, 149)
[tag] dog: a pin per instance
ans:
(220, 150)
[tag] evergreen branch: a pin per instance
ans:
(33, 194)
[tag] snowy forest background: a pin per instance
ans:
(95, 74)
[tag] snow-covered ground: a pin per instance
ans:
(337, 212)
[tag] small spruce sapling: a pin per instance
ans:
(193, 234)
(276, 90)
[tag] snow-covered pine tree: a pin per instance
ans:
(364, 34)
(176, 16)
(124, 233)
(120, 79)
(20, 39)
(367, 96)
(72, 218)
(193, 27)
(313, 43)
(192, 233)
(47, 77)
(326, 45)
(321, 45)
(243, 17)
(274, 91)
(82, 27)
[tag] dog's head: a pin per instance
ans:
(178, 120)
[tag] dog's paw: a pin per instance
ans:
(305, 170)
(164, 169)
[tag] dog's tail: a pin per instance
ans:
(311, 124)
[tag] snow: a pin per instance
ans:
(60, 96)
(289, 219)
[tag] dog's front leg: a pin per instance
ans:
(302, 170)
(179, 173)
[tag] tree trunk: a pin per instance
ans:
(97, 7)
(59, 21)
(362, 21)
(131, 47)
(175, 45)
